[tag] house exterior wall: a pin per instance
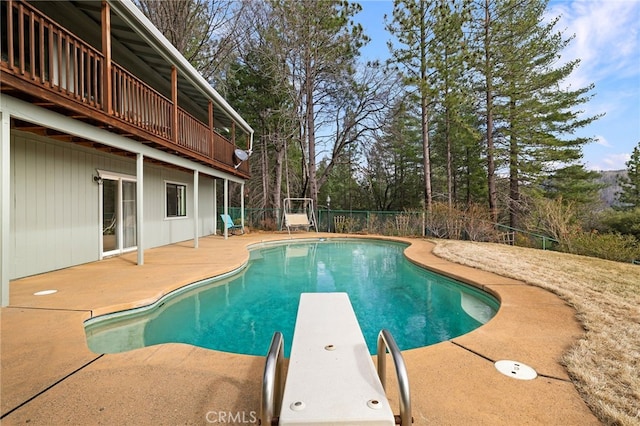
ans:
(158, 229)
(50, 215)
(55, 205)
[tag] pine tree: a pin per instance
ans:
(259, 96)
(630, 194)
(412, 25)
(447, 58)
(574, 184)
(530, 118)
(394, 168)
(485, 61)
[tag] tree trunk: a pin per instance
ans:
(449, 160)
(264, 159)
(491, 167)
(514, 186)
(311, 134)
(424, 111)
(426, 152)
(278, 167)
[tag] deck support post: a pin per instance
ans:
(215, 206)
(140, 207)
(5, 200)
(226, 206)
(242, 205)
(196, 219)
(107, 93)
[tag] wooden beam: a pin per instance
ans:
(174, 100)
(233, 133)
(211, 135)
(9, 6)
(107, 95)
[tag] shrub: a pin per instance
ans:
(611, 246)
(623, 221)
(477, 224)
(553, 217)
(345, 224)
(268, 224)
(444, 222)
(373, 224)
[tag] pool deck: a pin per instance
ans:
(49, 376)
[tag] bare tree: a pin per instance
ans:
(206, 32)
(360, 106)
(316, 44)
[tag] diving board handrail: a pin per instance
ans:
(387, 342)
(272, 381)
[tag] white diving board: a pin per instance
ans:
(331, 379)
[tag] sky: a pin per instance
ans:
(607, 42)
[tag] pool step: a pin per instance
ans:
(331, 379)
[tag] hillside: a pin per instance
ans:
(609, 178)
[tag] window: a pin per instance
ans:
(176, 199)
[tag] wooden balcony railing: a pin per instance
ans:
(44, 53)
(138, 104)
(41, 53)
(193, 135)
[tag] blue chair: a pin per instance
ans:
(228, 223)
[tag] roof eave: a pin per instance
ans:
(129, 12)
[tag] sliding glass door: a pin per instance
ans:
(118, 210)
(129, 219)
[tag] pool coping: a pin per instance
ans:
(452, 382)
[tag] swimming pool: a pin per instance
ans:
(240, 312)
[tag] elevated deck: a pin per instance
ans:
(105, 68)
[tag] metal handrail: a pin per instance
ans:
(272, 381)
(387, 342)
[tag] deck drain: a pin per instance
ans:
(44, 292)
(515, 369)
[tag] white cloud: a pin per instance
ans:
(607, 38)
(610, 162)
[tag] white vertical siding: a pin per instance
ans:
(158, 229)
(55, 219)
(54, 206)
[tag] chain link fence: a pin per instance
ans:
(441, 222)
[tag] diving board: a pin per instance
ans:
(331, 379)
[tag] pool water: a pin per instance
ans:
(240, 312)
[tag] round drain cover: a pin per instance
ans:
(516, 369)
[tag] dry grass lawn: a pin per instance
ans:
(605, 364)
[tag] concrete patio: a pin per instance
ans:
(49, 376)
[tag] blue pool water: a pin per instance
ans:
(240, 312)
